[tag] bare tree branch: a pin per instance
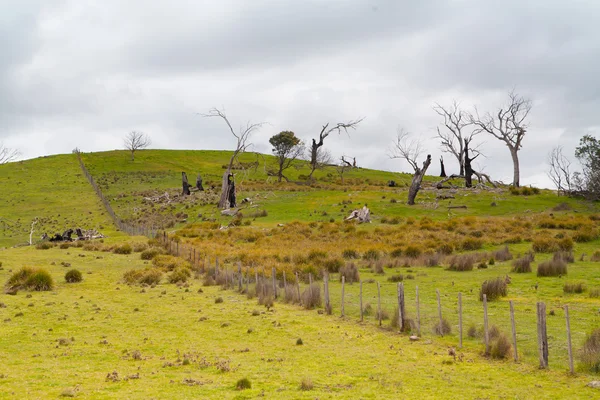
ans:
(7, 154)
(560, 171)
(407, 148)
(135, 141)
(507, 125)
(243, 143)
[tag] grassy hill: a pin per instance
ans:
(176, 338)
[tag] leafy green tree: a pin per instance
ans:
(287, 148)
(588, 154)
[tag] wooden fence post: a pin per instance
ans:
(241, 277)
(418, 313)
(343, 294)
(486, 333)
(401, 308)
(361, 302)
(284, 284)
(216, 267)
(298, 286)
(460, 324)
(439, 304)
(274, 277)
(571, 368)
(310, 288)
(542, 335)
(379, 302)
(326, 292)
(514, 330)
(177, 248)
(247, 279)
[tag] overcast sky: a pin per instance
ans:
(78, 73)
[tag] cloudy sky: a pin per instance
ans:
(79, 73)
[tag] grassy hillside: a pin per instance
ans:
(102, 338)
(51, 189)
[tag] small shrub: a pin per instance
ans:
(350, 254)
(493, 289)
(367, 310)
(218, 300)
(371, 255)
(169, 263)
(594, 292)
(377, 268)
(150, 253)
(446, 249)
(291, 295)
(208, 280)
(124, 248)
(299, 342)
(396, 278)
(150, 276)
(243, 384)
(311, 297)
(590, 353)
(18, 279)
(73, 276)
(132, 276)
(500, 347)
(44, 245)
(316, 255)
(180, 275)
(503, 254)
(139, 247)
(566, 244)
(482, 265)
(545, 245)
(552, 268)
(585, 234)
(432, 260)
(442, 329)
(472, 332)
(350, 272)
(571, 287)
(413, 251)
(396, 253)
(471, 244)
(596, 256)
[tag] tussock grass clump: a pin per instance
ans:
(503, 254)
(473, 332)
(446, 249)
(243, 384)
(396, 253)
(27, 278)
(413, 251)
(306, 384)
(566, 256)
(372, 255)
(73, 276)
(148, 276)
(208, 280)
(500, 347)
(44, 245)
(545, 245)
(432, 259)
(562, 207)
(574, 287)
(317, 255)
(585, 234)
(493, 289)
(396, 278)
(522, 265)
(377, 268)
(311, 297)
(367, 310)
(589, 355)
(219, 300)
(124, 248)
(138, 247)
(594, 292)
(552, 268)
(566, 244)
(350, 273)
(464, 262)
(291, 295)
(384, 314)
(333, 264)
(350, 254)
(596, 256)
(442, 329)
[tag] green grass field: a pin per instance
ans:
(176, 341)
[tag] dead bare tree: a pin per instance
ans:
(326, 131)
(242, 138)
(560, 171)
(135, 141)
(7, 154)
(409, 149)
(452, 135)
(324, 158)
(507, 125)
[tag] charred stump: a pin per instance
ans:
(415, 186)
(199, 183)
(231, 191)
(443, 169)
(185, 184)
(468, 167)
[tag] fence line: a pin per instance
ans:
(130, 229)
(431, 315)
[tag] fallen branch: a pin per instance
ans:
(363, 215)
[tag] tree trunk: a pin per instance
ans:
(516, 171)
(416, 181)
(443, 173)
(462, 168)
(468, 168)
(132, 151)
(224, 201)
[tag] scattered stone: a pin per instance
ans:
(414, 338)
(594, 384)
